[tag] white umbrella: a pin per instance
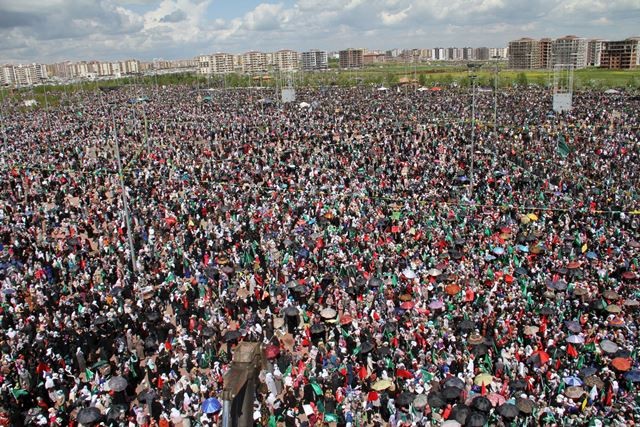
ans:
(409, 274)
(305, 105)
(382, 88)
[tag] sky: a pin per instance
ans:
(58, 30)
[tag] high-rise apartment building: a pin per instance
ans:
(351, 58)
(546, 57)
(569, 50)
(524, 53)
(315, 60)
(254, 62)
(621, 54)
(286, 60)
(594, 51)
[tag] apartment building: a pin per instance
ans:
(524, 53)
(286, 60)
(351, 58)
(315, 60)
(569, 50)
(253, 62)
(621, 54)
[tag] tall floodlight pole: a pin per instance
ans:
(495, 98)
(125, 201)
(473, 67)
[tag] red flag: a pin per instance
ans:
(403, 373)
(571, 351)
(609, 397)
(362, 373)
(483, 391)
(446, 412)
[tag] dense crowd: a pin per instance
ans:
(395, 271)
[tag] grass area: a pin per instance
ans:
(432, 74)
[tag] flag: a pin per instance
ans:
(563, 148)
(287, 371)
(593, 394)
(316, 389)
(584, 404)
(571, 351)
(88, 374)
(17, 392)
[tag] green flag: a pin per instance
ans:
(563, 148)
(17, 392)
(88, 374)
(316, 389)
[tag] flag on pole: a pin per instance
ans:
(563, 148)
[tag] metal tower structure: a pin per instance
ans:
(562, 87)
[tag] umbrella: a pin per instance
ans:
(580, 291)
(591, 255)
(475, 339)
(517, 385)
(476, 419)
(317, 328)
(420, 402)
(547, 311)
(633, 376)
(496, 399)
(211, 405)
(434, 272)
(621, 364)
(608, 346)
(452, 289)
(531, 330)
(559, 285)
(208, 331)
(328, 313)
(466, 326)
(146, 396)
(612, 308)
(629, 275)
(460, 413)
(572, 381)
(573, 326)
(485, 379)
(118, 383)
(508, 410)
(575, 339)
(152, 316)
(454, 382)
(631, 303)
(407, 305)
(346, 319)
(381, 385)
(525, 405)
(436, 305)
(451, 393)
(539, 358)
(409, 274)
(573, 265)
(405, 399)
(574, 392)
(372, 396)
(481, 403)
(480, 350)
(616, 322)
(88, 415)
(366, 347)
(498, 251)
(594, 381)
(291, 311)
(375, 282)
(588, 371)
(271, 351)
(609, 294)
(450, 423)
(100, 320)
(405, 297)
(436, 400)
(231, 335)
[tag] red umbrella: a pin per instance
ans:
(573, 265)
(372, 396)
(403, 373)
(629, 275)
(170, 221)
(407, 305)
(271, 351)
(508, 278)
(452, 289)
(621, 364)
(346, 319)
(543, 355)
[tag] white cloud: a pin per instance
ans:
(394, 18)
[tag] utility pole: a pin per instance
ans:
(473, 67)
(125, 202)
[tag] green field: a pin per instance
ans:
(434, 74)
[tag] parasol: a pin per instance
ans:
(622, 364)
(496, 399)
(271, 351)
(476, 419)
(346, 319)
(409, 274)
(454, 382)
(405, 399)
(452, 289)
(118, 383)
(328, 313)
(573, 326)
(475, 339)
(466, 326)
(608, 346)
(573, 265)
(420, 402)
(531, 330)
(611, 295)
(436, 400)
(407, 305)
(460, 413)
(434, 272)
(451, 393)
(508, 410)
(575, 339)
(436, 305)
(231, 335)
(525, 405)
(146, 396)
(593, 381)
(381, 385)
(211, 405)
(375, 282)
(633, 376)
(405, 297)
(629, 275)
(580, 291)
(574, 392)
(612, 308)
(317, 328)
(88, 415)
(483, 379)
(291, 311)
(572, 381)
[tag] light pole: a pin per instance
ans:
(495, 98)
(473, 67)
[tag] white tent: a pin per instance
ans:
(611, 91)
(422, 89)
(305, 105)
(382, 88)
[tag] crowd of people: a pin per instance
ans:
(396, 267)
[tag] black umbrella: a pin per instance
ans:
(521, 271)
(481, 403)
(208, 331)
(152, 316)
(375, 282)
(115, 411)
(383, 351)
(291, 311)
(318, 328)
(118, 383)
(389, 327)
(525, 405)
(476, 419)
(116, 290)
(466, 326)
(547, 311)
(454, 382)
(436, 400)
(231, 335)
(88, 415)
(508, 410)
(405, 399)
(517, 385)
(100, 320)
(587, 371)
(480, 350)
(366, 347)
(451, 393)
(460, 413)
(146, 396)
